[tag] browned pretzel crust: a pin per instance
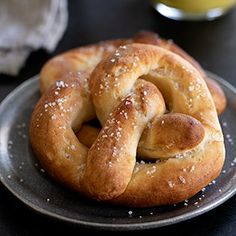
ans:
(85, 59)
(127, 107)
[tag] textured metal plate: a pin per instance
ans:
(22, 175)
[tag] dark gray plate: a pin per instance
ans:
(22, 175)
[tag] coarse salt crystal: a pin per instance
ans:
(171, 184)
(182, 179)
(192, 169)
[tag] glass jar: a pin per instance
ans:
(193, 9)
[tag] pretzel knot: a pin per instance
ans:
(149, 101)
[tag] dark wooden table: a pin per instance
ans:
(213, 44)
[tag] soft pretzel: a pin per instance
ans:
(127, 106)
(85, 59)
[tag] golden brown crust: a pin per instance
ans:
(217, 95)
(177, 179)
(125, 106)
(169, 135)
(84, 59)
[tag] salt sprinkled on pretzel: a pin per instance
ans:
(135, 114)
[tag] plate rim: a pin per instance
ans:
(119, 226)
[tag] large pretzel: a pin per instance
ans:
(127, 107)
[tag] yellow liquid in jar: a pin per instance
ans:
(198, 6)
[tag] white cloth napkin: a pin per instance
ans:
(27, 25)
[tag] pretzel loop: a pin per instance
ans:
(181, 85)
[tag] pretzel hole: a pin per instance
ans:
(88, 133)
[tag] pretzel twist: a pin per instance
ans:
(131, 111)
